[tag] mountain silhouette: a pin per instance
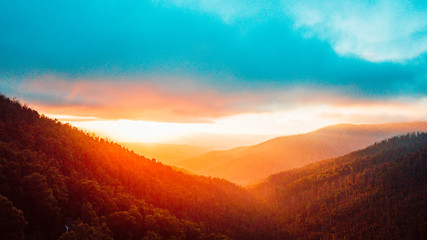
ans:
(246, 165)
(58, 182)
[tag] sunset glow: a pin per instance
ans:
(233, 73)
(256, 127)
(213, 119)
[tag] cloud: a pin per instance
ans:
(256, 49)
(151, 99)
(372, 30)
(229, 11)
(185, 100)
(397, 110)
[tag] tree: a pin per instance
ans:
(12, 220)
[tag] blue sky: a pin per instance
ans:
(261, 56)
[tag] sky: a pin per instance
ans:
(212, 72)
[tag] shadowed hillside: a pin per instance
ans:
(57, 182)
(246, 165)
(54, 176)
(376, 193)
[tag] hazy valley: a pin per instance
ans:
(249, 164)
(59, 182)
(213, 120)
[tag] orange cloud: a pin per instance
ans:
(133, 100)
(182, 100)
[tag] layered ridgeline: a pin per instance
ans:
(59, 182)
(246, 165)
(376, 193)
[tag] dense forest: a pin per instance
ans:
(379, 192)
(58, 182)
(55, 177)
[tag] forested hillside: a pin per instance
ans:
(55, 177)
(288, 152)
(57, 182)
(377, 193)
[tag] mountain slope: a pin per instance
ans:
(250, 164)
(57, 182)
(55, 177)
(376, 193)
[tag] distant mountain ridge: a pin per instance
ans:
(250, 164)
(379, 192)
(58, 182)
